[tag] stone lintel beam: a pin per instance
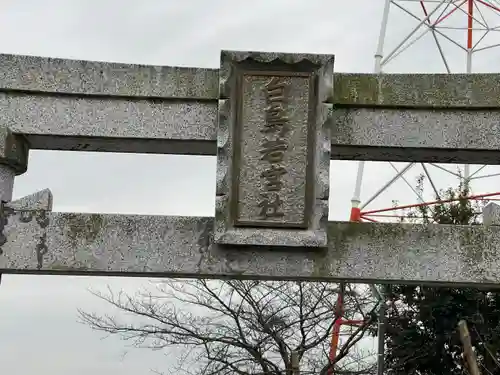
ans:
(40, 242)
(60, 104)
(66, 76)
(79, 77)
(417, 90)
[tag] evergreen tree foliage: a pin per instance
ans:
(421, 336)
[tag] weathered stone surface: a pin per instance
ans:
(66, 243)
(491, 214)
(13, 160)
(439, 135)
(40, 200)
(273, 148)
(66, 76)
(46, 74)
(7, 175)
(13, 149)
(98, 124)
(418, 90)
(187, 125)
(76, 105)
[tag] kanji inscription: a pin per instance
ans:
(271, 147)
(274, 148)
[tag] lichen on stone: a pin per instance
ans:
(81, 227)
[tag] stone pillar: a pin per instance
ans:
(13, 161)
(273, 149)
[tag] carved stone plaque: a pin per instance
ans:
(273, 149)
(271, 171)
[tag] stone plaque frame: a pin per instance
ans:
(311, 231)
(253, 70)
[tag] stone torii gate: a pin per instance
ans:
(274, 121)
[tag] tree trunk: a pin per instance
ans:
(294, 360)
(381, 337)
(469, 355)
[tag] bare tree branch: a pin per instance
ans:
(239, 326)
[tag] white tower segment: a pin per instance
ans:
(461, 31)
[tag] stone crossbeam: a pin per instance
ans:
(60, 104)
(111, 124)
(274, 121)
(41, 242)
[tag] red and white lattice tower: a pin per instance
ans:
(426, 36)
(430, 36)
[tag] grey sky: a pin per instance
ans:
(37, 314)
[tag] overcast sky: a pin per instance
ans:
(38, 329)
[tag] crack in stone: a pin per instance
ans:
(41, 250)
(5, 213)
(204, 239)
(43, 221)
